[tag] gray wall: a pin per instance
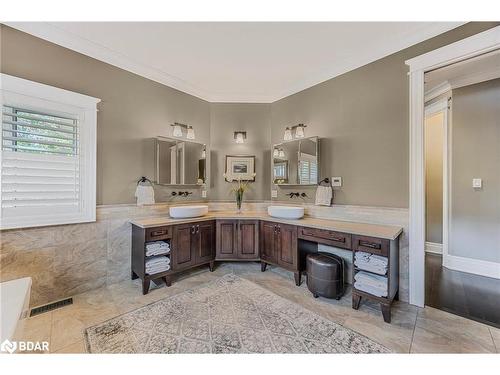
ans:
(133, 110)
(225, 119)
(363, 118)
(434, 132)
(475, 139)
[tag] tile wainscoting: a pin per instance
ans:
(69, 259)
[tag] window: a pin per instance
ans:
(308, 169)
(47, 155)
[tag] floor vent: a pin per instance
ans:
(51, 306)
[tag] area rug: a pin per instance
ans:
(228, 315)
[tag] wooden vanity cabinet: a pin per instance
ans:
(193, 244)
(279, 247)
(237, 240)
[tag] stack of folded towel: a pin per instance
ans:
(370, 283)
(157, 248)
(157, 264)
(371, 262)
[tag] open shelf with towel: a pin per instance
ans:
(161, 251)
(157, 257)
(375, 272)
(151, 254)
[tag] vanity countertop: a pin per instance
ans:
(389, 232)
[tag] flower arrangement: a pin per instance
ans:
(239, 187)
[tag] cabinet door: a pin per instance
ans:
(226, 244)
(248, 241)
(182, 254)
(267, 241)
(205, 242)
(287, 246)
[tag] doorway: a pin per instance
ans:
(462, 186)
(473, 46)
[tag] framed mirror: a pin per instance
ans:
(296, 162)
(180, 162)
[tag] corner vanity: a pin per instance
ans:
(256, 236)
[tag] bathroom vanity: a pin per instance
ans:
(255, 236)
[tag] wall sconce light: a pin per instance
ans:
(177, 131)
(288, 134)
(281, 153)
(240, 136)
(190, 132)
(299, 131)
(276, 153)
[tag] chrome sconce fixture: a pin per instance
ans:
(279, 153)
(177, 131)
(298, 129)
(240, 136)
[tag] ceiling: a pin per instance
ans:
(237, 62)
(478, 69)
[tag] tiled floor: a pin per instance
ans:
(412, 329)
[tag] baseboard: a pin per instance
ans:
(474, 266)
(434, 248)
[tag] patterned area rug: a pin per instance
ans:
(228, 315)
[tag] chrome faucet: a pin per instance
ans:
(181, 193)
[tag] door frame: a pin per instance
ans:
(470, 47)
(442, 106)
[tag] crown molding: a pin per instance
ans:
(54, 34)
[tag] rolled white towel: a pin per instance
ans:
(157, 251)
(157, 260)
(371, 289)
(372, 280)
(362, 254)
(371, 268)
(152, 271)
(157, 246)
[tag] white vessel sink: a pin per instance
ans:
(183, 212)
(286, 212)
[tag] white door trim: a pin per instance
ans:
(473, 46)
(441, 106)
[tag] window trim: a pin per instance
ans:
(24, 93)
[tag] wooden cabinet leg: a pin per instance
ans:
(386, 312)
(145, 286)
(356, 300)
(211, 266)
(133, 275)
(263, 266)
(168, 280)
(296, 276)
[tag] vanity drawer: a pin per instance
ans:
(158, 233)
(371, 245)
(326, 237)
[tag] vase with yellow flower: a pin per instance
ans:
(238, 189)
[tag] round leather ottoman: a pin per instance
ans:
(325, 275)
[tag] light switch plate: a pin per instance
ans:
(477, 183)
(203, 193)
(274, 193)
(336, 181)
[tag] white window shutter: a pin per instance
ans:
(47, 155)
